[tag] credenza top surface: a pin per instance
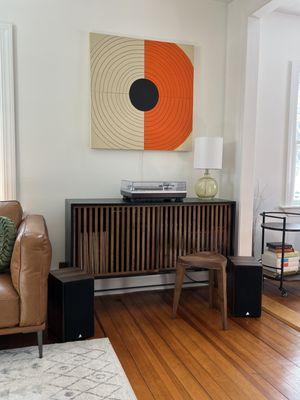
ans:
(121, 202)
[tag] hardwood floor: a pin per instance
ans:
(191, 357)
(292, 301)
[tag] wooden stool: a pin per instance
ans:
(211, 261)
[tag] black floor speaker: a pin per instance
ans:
(71, 304)
(244, 286)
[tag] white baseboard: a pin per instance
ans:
(149, 282)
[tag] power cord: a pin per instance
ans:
(193, 280)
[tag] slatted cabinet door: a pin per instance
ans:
(136, 239)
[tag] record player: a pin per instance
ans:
(153, 190)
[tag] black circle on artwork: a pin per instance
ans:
(143, 94)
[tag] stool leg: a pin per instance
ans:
(211, 287)
(180, 270)
(223, 296)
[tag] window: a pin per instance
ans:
(293, 156)
(7, 118)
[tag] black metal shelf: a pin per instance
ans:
(275, 226)
(286, 278)
(293, 277)
(282, 225)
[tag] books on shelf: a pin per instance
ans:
(272, 258)
(286, 253)
(278, 246)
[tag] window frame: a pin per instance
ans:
(292, 138)
(7, 115)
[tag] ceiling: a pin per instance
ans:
(225, 1)
(293, 8)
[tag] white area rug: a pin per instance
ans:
(83, 370)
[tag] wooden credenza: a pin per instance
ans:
(113, 237)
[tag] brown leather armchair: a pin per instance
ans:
(23, 290)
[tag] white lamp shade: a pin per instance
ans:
(208, 152)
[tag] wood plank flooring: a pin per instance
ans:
(292, 301)
(191, 357)
(281, 312)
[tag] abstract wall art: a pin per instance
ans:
(141, 94)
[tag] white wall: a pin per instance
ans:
(52, 95)
(280, 38)
(237, 178)
(239, 12)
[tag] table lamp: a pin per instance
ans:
(208, 153)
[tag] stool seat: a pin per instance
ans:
(204, 259)
(215, 263)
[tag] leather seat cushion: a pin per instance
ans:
(9, 303)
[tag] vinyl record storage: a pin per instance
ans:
(112, 237)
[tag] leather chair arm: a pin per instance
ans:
(30, 266)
